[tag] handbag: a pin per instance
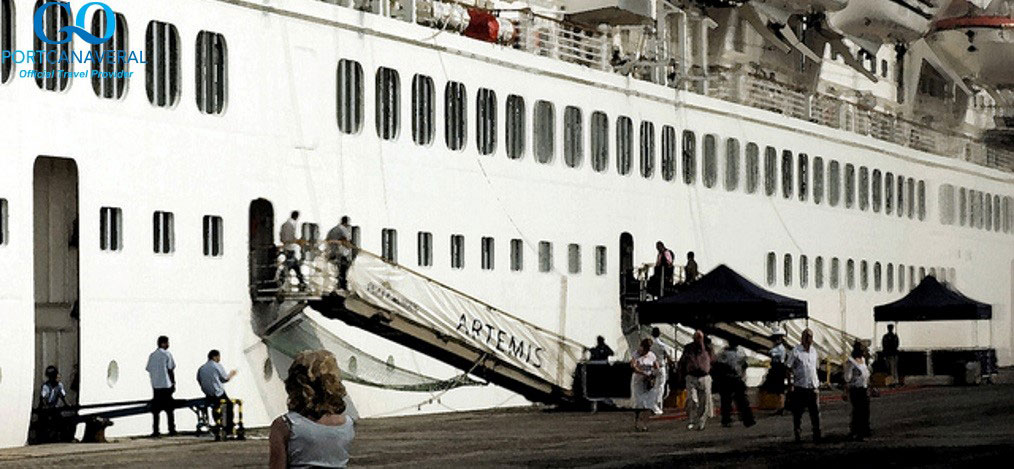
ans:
(649, 382)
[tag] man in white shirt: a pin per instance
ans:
(731, 375)
(161, 369)
(802, 366)
(666, 356)
(211, 376)
(291, 248)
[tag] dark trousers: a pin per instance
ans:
(860, 424)
(162, 401)
(805, 400)
(292, 262)
(733, 390)
(218, 408)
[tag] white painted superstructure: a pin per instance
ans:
(277, 138)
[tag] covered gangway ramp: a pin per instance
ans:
(720, 300)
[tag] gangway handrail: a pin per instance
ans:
(359, 251)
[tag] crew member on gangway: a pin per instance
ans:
(662, 276)
(291, 248)
(338, 239)
(162, 371)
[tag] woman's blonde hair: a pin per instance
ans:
(314, 385)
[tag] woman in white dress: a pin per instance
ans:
(646, 371)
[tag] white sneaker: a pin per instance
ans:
(690, 427)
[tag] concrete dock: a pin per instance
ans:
(913, 427)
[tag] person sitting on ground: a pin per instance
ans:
(211, 376)
(645, 390)
(690, 272)
(600, 352)
(857, 384)
(316, 432)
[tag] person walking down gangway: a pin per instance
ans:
(802, 366)
(857, 391)
(162, 372)
(338, 239)
(662, 276)
(291, 248)
(732, 385)
(889, 345)
(316, 431)
(211, 376)
(666, 357)
(644, 384)
(690, 271)
(695, 365)
(600, 352)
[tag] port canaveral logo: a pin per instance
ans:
(56, 60)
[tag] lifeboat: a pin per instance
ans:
(979, 47)
(886, 21)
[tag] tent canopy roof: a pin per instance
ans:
(933, 301)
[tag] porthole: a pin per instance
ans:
(353, 365)
(112, 373)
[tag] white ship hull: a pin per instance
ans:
(278, 140)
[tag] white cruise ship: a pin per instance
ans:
(527, 153)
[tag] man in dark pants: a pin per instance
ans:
(731, 373)
(161, 369)
(211, 376)
(802, 366)
(889, 345)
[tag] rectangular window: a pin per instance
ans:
(770, 171)
(162, 72)
(731, 164)
(350, 96)
(573, 137)
(787, 267)
(889, 193)
(803, 177)
(996, 207)
(111, 229)
(214, 236)
(515, 128)
(901, 277)
(787, 170)
(911, 198)
(835, 273)
(818, 272)
(423, 95)
(901, 196)
(804, 271)
(600, 260)
(877, 279)
(212, 72)
(114, 84)
(988, 212)
(4, 233)
(488, 253)
(455, 115)
(310, 232)
(163, 231)
(53, 75)
(517, 255)
(752, 167)
(689, 157)
(624, 145)
(600, 141)
(425, 251)
(876, 189)
(668, 153)
(818, 180)
(545, 131)
(1008, 215)
(772, 261)
(850, 185)
(647, 149)
(7, 38)
(574, 258)
(387, 105)
(834, 184)
(485, 121)
(710, 163)
(864, 188)
(850, 274)
(864, 275)
(389, 244)
(890, 276)
(545, 256)
(457, 252)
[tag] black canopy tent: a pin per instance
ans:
(933, 301)
(721, 296)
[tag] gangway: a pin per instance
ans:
(428, 316)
